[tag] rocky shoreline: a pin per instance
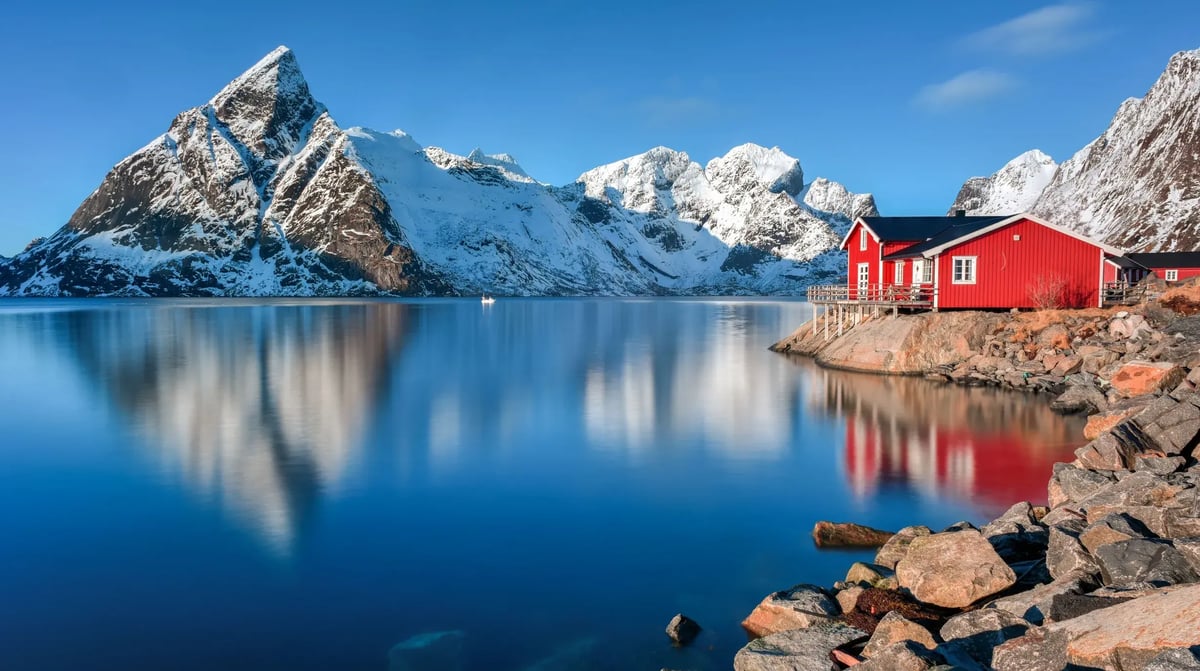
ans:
(1106, 576)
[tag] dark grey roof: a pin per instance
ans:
(959, 227)
(915, 229)
(1166, 259)
(1123, 261)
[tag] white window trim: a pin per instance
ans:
(921, 268)
(1172, 275)
(898, 276)
(862, 239)
(974, 269)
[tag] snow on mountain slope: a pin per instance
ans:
(1013, 188)
(260, 192)
(1138, 185)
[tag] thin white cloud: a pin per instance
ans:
(969, 87)
(1051, 29)
(669, 110)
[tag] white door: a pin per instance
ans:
(864, 280)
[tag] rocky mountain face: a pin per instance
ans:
(1014, 188)
(260, 192)
(1137, 186)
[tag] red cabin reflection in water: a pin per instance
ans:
(987, 446)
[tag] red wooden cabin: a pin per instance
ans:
(1009, 261)
(1168, 266)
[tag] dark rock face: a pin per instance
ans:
(976, 633)
(1141, 560)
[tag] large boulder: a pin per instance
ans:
(897, 546)
(953, 570)
(895, 628)
(1112, 528)
(1080, 398)
(796, 608)
(797, 650)
(1138, 378)
(1017, 535)
(976, 633)
(1125, 636)
(901, 656)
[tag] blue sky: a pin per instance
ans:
(905, 102)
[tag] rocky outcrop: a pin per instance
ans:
(1106, 577)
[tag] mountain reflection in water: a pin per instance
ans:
(260, 410)
(304, 484)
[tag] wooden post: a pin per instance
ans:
(841, 319)
(827, 322)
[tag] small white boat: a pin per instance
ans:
(488, 300)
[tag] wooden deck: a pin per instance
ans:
(873, 295)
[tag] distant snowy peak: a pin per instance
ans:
(1138, 185)
(646, 182)
(771, 168)
(831, 198)
(505, 162)
(1013, 188)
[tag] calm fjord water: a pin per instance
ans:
(303, 484)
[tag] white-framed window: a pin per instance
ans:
(963, 270)
(922, 271)
(899, 276)
(862, 239)
(1172, 275)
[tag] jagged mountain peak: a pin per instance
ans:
(829, 197)
(771, 167)
(1015, 187)
(268, 107)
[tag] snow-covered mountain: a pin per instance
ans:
(260, 192)
(1013, 188)
(1137, 186)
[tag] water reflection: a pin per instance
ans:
(261, 410)
(983, 445)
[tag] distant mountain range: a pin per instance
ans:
(1137, 186)
(260, 192)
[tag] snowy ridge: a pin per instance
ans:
(1013, 188)
(1137, 186)
(260, 192)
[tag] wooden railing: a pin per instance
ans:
(1123, 293)
(882, 294)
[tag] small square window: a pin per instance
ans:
(964, 270)
(1172, 275)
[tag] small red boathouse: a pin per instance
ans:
(969, 262)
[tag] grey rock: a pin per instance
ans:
(1017, 535)
(1065, 554)
(1034, 605)
(897, 546)
(1078, 484)
(682, 629)
(1158, 465)
(976, 633)
(953, 570)
(1112, 528)
(1068, 606)
(1177, 659)
(1144, 560)
(797, 649)
(901, 656)
(895, 628)
(1080, 398)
